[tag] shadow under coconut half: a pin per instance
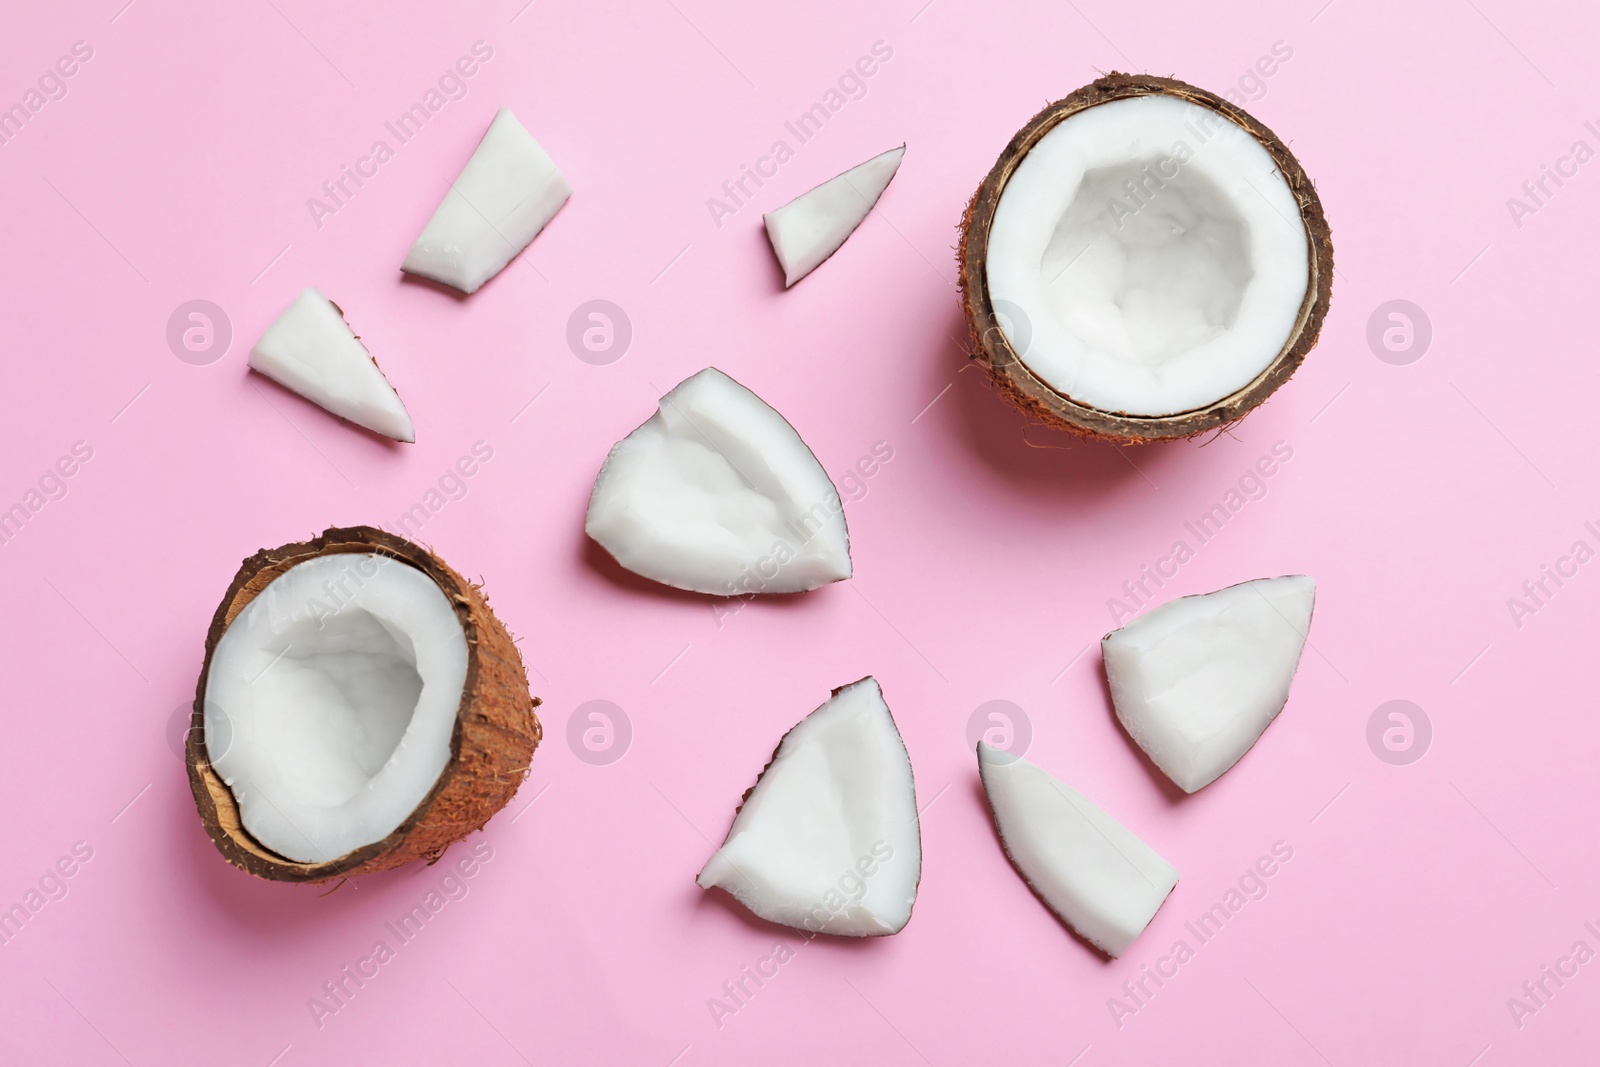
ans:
(360, 707)
(1145, 261)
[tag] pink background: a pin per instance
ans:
(1421, 497)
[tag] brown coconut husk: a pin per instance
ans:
(1038, 399)
(495, 734)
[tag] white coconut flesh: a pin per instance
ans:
(505, 195)
(1146, 257)
(828, 840)
(1196, 680)
(811, 227)
(311, 350)
(717, 493)
(1092, 871)
(331, 701)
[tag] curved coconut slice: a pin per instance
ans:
(1144, 261)
(1088, 868)
(827, 840)
(360, 707)
(506, 193)
(717, 493)
(812, 226)
(1197, 680)
(311, 350)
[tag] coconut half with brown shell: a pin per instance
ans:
(360, 707)
(1145, 261)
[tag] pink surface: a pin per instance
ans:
(1422, 496)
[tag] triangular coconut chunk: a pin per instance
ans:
(717, 493)
(506, 193)
(312, 350)
(1197, 680)
(812, 226)
(827, 841)
(1090, 870)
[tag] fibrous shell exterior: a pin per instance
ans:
(991, 347)
(495, 734)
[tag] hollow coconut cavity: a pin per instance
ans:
(360, 707)
(1145, 261)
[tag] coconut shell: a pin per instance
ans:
(1032, 394)
(495, 733)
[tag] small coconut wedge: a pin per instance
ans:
(1089, 869)
(505, 195)
(1145, 261)
(360, 707)
(827, 839)
(811, 227)
(1196, 680)
(716, 493)
(312, 350)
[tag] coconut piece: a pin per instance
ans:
(1196, 680)
(1145, 261)
(504, 196)
(827, 839)
(359, 707)
(1089, 869)
(717, 493)
(812, 226)
(312, 350)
